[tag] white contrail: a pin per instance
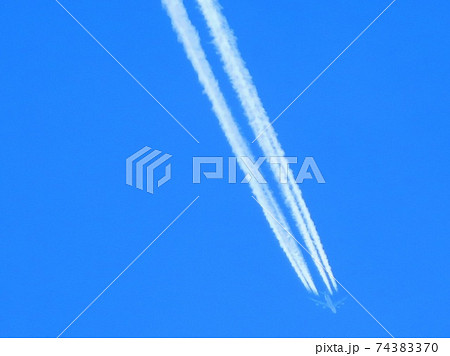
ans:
(242, 82)
(188, 36)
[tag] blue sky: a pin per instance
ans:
(376, 124)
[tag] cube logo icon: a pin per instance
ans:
(146, 162)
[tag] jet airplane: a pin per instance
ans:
(329, 303)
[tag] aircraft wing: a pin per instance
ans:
(340, 302)
(319, 303)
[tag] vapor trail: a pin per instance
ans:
(188, 36)
(242, 82)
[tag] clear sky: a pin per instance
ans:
(376, 123)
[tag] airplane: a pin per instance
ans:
(329, 303)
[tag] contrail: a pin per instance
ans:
(242, 82)
(189, 38)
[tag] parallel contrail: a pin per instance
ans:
(241, 80)
(188, 36)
